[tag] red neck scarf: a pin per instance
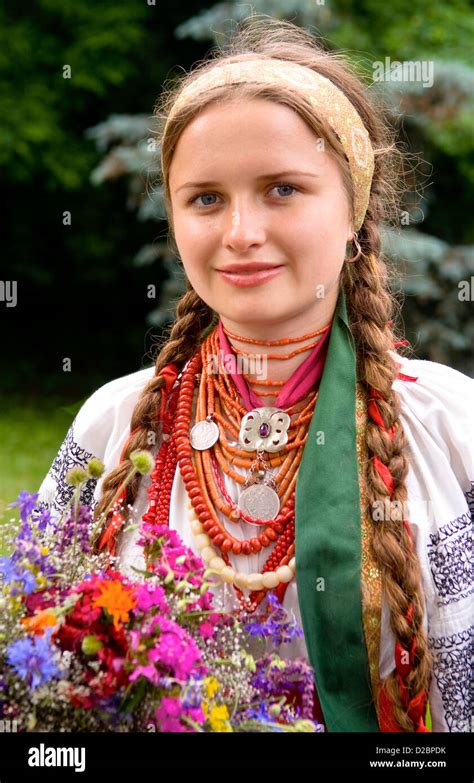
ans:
(298, 385)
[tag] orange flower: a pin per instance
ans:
(38, 622)
(116, 599)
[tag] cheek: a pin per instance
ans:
(195, 237)
(192, 241)
(318, 253)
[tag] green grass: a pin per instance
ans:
(30, 436)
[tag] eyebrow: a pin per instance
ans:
(276, 175)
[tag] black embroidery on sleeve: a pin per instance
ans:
(70, 455)
(450, 555)
(470, 499)
(454, 674)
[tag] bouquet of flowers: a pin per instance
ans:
(85, 648)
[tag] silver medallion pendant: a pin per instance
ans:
(259, 501)
(264, 429)
(204, 434)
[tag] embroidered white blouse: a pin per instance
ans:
(437, 413)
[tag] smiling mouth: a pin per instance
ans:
(236, 269)
(250, 277)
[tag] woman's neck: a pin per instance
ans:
(254, 363)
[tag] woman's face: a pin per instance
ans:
(246, 210)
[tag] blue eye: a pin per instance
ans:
(200, 196)
(284, 185)
(203, 195)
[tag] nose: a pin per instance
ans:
(244, 228)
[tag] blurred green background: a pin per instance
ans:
(78, 85)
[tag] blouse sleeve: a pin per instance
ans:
(437, 411)
(100, 429)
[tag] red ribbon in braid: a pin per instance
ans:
(415, 706)
(108, 539)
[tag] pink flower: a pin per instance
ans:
(170, 711)
(172, 724)
(170, 707)
(175, 648)
(206, 630)
(117, 664)
(205, 600)
(168, 714)
(172, 548)
(148, 596)
(196, 714)
(149, 672)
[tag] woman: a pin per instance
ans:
(297, 451)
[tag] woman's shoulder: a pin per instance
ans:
(99, 429)
(440, 390)
(435, 372)
(112, 402)
(437, 409)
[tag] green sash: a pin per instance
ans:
(328, 543)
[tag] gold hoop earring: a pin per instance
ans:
(355, 240)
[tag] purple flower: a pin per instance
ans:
(28, 550)
(25, 533)
(261, 715)
(7, 568)
(32, 659)
(42, 518)
(12, 574)
(276, 624)
(26, 503)
(193, 694)
(77, 527)
(296, 677)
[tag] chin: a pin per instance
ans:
(253, 316)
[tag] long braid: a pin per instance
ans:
(193, 316)
(370, 309)
(370, 306)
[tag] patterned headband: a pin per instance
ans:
(328, 101)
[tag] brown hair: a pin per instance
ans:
(370, 306)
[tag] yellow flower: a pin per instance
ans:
(116, 599)
(219, 719)
(212, 686)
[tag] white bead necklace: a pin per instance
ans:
(256, 581)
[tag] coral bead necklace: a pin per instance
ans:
(202, 450)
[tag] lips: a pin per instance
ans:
(248, 268)
(251, 275)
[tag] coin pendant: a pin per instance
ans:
(204, 434)
(260, 502)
